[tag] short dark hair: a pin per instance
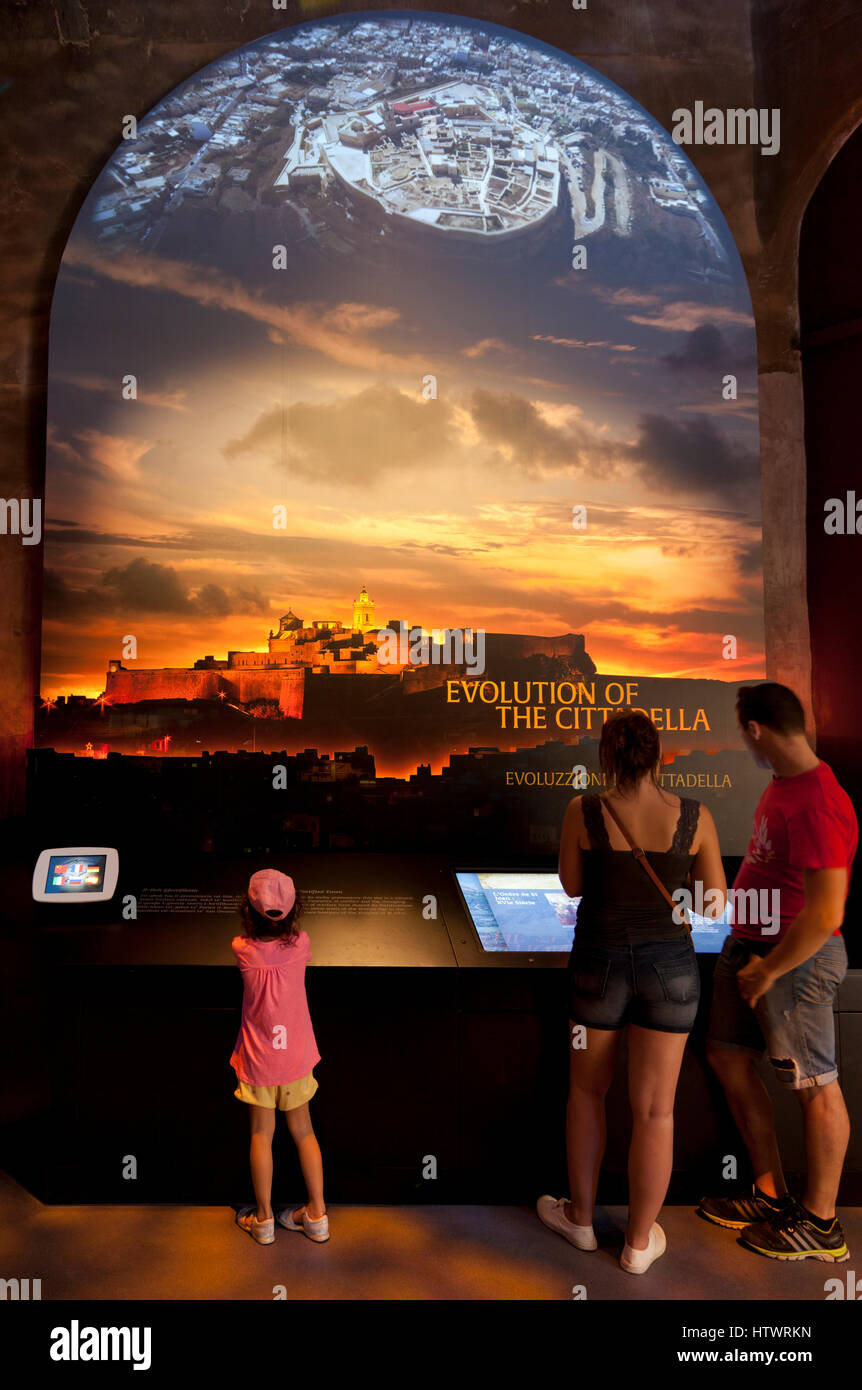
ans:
(255, 924)
(629, 748)
(772, 705)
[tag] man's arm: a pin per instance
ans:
(823, 913)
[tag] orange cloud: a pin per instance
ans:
(579, 343)
(169, 400)
(685, 315)
(336, 332)
(116, 456)
(485, 345)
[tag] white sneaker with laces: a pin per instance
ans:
(261, 1231)
(639, 1261)
(552, 1211)
(317, 1231)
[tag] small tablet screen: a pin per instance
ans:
(81, 874)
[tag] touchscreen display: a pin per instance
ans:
(75, 875)
(530, 912)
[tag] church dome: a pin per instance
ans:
(289, 622)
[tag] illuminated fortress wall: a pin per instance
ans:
(266, 681)
(238, 687)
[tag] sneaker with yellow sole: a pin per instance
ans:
(794, 1236)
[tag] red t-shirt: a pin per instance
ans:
(802, 822)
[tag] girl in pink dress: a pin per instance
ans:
(275, 1051)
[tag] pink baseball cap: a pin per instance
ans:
(271, 893)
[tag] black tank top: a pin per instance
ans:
(620, 905)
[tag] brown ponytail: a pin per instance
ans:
(629, 750)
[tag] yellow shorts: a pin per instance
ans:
(288, 1097)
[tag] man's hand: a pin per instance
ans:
(754, 979)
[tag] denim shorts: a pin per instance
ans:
(655, 984)
(793, 1021)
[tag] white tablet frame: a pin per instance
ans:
(109, 884)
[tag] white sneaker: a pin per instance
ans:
(315, 1230)
(639, 1261)
(261, 1231)
(552, 1211)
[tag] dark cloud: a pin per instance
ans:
(355, 440)
(580, 613)
(438, 548)
(362, 437)
(145, 587)
(59, 532)
(693, 457)
(57, 595)
(704, 349)
(750, 559)
(513, 424)
(685, 521)
(687, 550)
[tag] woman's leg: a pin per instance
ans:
(262, 1130)
(591, 1071)
(654, 1062)
(299, 1124)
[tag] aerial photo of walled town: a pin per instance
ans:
(457, 129)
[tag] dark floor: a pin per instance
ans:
(422, 1252)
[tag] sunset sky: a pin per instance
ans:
(304, 388)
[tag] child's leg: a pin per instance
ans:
(262, 1130)
(299, 1124)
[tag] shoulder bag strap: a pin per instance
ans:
(640, 856)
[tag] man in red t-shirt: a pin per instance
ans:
(776, 980)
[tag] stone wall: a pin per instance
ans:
(239, 686)
(125, 687)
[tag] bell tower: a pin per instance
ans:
(363, 612)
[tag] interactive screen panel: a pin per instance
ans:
(530, 911)
(71, 873)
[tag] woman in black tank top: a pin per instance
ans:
(632, 966)
(619, 905)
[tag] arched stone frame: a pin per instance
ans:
(775, 295)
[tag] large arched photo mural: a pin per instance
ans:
(402, 422)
